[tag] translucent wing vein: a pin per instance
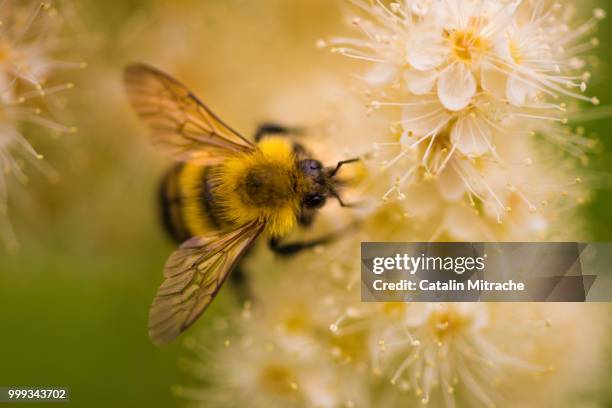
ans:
(182, 126)
(193, 276)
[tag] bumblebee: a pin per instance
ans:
(224, 192)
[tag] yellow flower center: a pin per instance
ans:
(297, 320)
(348, 347)
(447, 324)
(467, 44)
(437, 151)
(278, 379)
(394, 308)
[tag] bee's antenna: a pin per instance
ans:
(342, 163)
(335, 194)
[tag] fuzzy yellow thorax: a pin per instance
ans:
(261, 186)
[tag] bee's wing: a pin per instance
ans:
(182, 126)
(193, 276)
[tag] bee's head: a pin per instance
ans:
(317, 189)
(322, 183)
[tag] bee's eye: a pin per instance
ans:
(310, 166)
(315, 164)
(314, 200)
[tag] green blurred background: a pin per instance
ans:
(74, 300)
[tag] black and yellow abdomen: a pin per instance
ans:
(188, 205)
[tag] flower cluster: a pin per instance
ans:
(469, 85)
(460, 96)
(29, 32)
(308, 342)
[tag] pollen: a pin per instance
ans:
(278, 379)
(447, 323)
(394, 308)
(297, 321)
(467, 44)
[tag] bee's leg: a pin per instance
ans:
(270, 128)
(305, 220)
(293, 248)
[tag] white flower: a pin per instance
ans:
(471, 77)
(521, 48)
(369, 355)
(443, 347)
(28, 39)
(539, 55)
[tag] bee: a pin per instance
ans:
(224, 192)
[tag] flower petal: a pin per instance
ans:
(420, 82)
(471, 135)
(450, 186)
(518, 91)
(381, 74)
(423, 201)
(421, 119)
(462, 224)
(425, 51)
(493, 81)
(456, 87)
